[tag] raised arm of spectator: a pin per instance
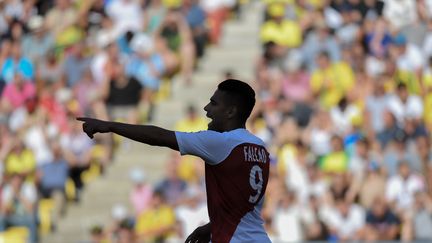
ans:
(185, 31)
(151, 135)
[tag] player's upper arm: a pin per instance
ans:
(209, 145)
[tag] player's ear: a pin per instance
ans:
(232, 111)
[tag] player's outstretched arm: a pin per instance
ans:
(147, 134)
(201, 234)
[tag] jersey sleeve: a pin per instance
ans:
(211, 146)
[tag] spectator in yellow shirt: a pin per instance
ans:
(331, 81)
(277, 29)
(336, 161)
(188, 166)
(192, 122)
(158, 222)
(20, 160)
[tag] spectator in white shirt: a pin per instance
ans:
(346, 220)
(126, 14)
(409, 57)
(342, 116)
(400, 13)
(405, 106)
(193, 213)
(402, 187)
(288, 218)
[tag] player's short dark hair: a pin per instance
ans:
(241, 94)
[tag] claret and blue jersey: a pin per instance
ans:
(236, 171)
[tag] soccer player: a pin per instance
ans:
(236, 162)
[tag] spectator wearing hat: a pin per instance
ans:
(192, 213)
(141, 193)
(146, 64)
(278, 29)
(38, 42)
(409, 62)
(121, 221)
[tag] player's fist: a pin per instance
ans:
(92, 126)
(201, 234)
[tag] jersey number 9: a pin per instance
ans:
(256, 185)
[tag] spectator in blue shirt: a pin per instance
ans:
(16, 62)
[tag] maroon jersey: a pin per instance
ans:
(236, 171)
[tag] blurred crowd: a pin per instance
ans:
(344, 92)
(60, 59)
(345, 107)
(344, 101)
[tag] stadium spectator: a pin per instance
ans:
(345, 220)
(38, 42)
(158, 222)
(402, 187)
(20, 160)
(141, 193)
(17, 62)
(192, 213)
(122, 95)
(18, 205)
(422, 219)
(52, 179)
(77, 151)
(375, 83)
(381, 222)
(172, 186)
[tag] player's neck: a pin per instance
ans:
(233, 126)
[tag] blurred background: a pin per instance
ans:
(344, 100)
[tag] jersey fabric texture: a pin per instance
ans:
(236, 174)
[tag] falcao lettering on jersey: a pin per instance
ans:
(255, 154)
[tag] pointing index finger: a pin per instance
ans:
(84, 119)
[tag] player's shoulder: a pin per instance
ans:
(243, 136)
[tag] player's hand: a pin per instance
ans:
(92, 126)
(200, 235)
